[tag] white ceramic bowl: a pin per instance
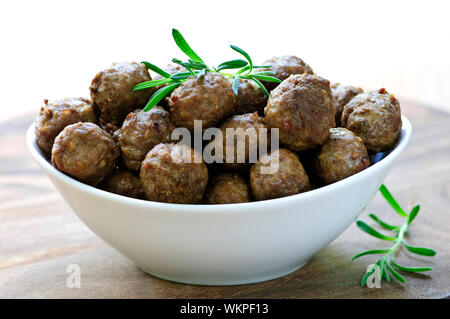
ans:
(222, 244)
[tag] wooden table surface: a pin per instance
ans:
(40, 236)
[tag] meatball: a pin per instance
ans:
(342, 94)
(112, 91)
(375, 117)
(228, 188)
(124, 183)
(86, 152)
(250, 141)
(140, 132)
(284, 67)
(250, 98)
(174, 173)
(302, 107)
(208, 98)
(289, 177)
(55, 116)
(343, 155)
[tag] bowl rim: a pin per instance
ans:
(38, 156)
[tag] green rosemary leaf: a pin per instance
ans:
(413, 213)
(382, 223)
(199, 65)
(367, 275)
(386, 273)
(265, 78)
(156, 69)
(261, 86)
(381, 272)
(159, 95)
(245, 68)
(395, 273)
(184, 46)
(264, 73)
(180, 76)
(193, 66)
(232, 64)
(366, 228)
(391, 200)
(245, 54)
(177, 61)
(370, 252)
(235, 86)
(409, 269)
(149, 84)
(419, 250)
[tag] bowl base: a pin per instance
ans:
(226, 282)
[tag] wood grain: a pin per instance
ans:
(40, 236)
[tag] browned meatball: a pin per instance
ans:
(55, 116)
(285, 66)
(140, 132)
(342, 94)
(111, 91)
(86, 152)
(174, 173)
(250, 141)
(375, 117)
(228, 188)
(343, 155)
(124, 183)
(208, 98)
(250, 98)
(289, 177)
(303, 109)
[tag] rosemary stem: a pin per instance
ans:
(400, 236)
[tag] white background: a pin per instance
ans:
(52, 49)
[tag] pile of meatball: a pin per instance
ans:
(327, 132)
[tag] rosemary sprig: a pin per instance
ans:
(387, 263)
(197, 67)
